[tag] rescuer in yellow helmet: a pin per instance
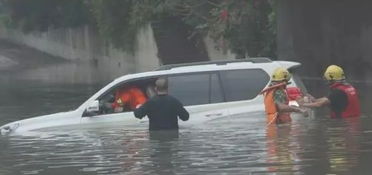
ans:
(276, 99)
(281, 75)
(343, 98)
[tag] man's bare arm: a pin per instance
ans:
(286, 108)
(317, 103)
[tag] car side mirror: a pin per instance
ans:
(93, 107)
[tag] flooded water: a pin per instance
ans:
(237, 145)
(311, 146)
(21, 97)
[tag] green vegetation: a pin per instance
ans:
(243, 26)
(114, 22)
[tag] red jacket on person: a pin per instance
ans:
(353, 107)
(130, 97)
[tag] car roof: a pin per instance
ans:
(217, 62)
(250, 63)
(268, 66)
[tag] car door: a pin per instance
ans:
(201, 94)
(242, 89)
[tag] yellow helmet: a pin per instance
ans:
(281, 74)
(334, 73)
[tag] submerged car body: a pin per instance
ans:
(209, 90)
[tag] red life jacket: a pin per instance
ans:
(353, 107)
(130, 97)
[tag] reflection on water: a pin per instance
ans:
(48, 89)
(309, 146)
(236, 145)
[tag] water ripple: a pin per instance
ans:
(234, 147)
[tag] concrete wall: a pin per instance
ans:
(83, 45)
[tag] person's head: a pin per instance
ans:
(334, 73)
(280, 75)
(161, 86)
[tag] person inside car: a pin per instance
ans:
(128, 99)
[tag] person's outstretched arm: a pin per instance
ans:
(142, 111)
(317, 103)
(182, 112)
(286, 108)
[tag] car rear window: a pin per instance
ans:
(243, 84)
(215, 87)
(195, 89)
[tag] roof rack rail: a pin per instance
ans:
(218, 62)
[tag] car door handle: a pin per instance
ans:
(214, 114)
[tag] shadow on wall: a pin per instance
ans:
(174, 44)
(319, 33)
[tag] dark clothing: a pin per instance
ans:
(339, 101)
(163, 112)
(345, 103)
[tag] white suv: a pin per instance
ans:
(209, 90)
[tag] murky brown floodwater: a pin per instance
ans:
(230, 146)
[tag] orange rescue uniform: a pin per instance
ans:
(130, 97)
(272, 113)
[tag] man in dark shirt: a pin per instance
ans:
(337, 101)
(162, 110)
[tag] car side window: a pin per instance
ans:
(126, 97)
(243, 84)
(190, 89)
(196, 89)
(216, 94)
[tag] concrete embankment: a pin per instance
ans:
(85, 46)
(15, 57)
